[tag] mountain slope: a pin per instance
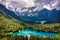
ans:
(50, 16)
(9, 23)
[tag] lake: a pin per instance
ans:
(30, 32)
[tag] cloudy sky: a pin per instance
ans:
(39, 4)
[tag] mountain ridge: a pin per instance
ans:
(41, 15)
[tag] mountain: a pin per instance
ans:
(8, 23)
(50, 16)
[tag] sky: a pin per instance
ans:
(39, 4)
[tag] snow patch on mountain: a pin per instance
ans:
(22, 6)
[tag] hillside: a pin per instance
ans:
(8, 23)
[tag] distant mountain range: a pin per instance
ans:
(50, 16)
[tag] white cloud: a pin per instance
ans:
(40, 4)
(47, 7)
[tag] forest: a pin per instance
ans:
(9, 24)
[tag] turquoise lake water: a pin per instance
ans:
(34, 33)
